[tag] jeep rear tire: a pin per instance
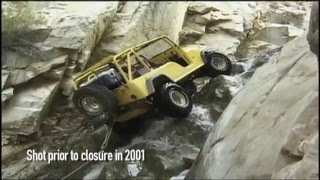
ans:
(217, 64)
(173, 100)
(93, 100)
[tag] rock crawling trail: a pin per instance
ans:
(170, 144)
(243, 30)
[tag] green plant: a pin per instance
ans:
(18, 17)
(17, 21)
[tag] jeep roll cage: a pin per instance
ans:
(91, 72)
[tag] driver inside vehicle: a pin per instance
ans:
(135, 69)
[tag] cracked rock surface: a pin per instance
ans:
(270, 128)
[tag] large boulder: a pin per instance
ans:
(244, 29)
(286, 13)
(223, 22)
(19, 76)
(277, 34)
(81, 28)
(24, 112)
(270, 128)
(71, 33)
(135, 23)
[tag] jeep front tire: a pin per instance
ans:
(217, 64)
(173, 100)
(93, 100)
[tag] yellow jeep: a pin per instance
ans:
(154, 74)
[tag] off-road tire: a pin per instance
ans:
(106, 99)
(212, 70)
(166, 103)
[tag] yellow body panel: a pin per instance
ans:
(138, 87)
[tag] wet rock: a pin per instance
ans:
(6, 94)
(54, 174)
(25, 169)
(166, 161)
(248, 66)
(115, 169)
(265, 115)
(98, 136)
(181, 175)
(13, 152)
(263, 58)
(165, 141)
(97, 172)
(247, 75)
(237, 68)
(217, 94)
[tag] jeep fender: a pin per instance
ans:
(156, 81)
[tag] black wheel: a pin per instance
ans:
(93, 100)
(173, 100)
(217, 64)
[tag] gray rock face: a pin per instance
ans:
(82, 29)
(25, 110)
(71, 35)
(243, 29)
(313, 33)
(286, 13)
(217, 94)
(135, 23)
(6, 94)
(269, 129)
(210, 22)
